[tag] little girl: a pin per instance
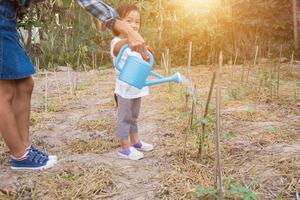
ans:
(128, 97)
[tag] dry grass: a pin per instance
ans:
(100, 125)
(3, 152)
(250, 115)
(81, 181)
(99, 145)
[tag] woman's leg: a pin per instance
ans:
(21, 107)
(136, 106)
(8, 123)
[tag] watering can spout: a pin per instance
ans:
(175, 78)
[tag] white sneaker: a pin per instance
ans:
(53, 158)
(131, 154)
(143, 146)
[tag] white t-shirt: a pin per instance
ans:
(123, 89)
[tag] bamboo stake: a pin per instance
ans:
(234, 63)
(201, 146)
(268, 50)
(231, 69)
(93, 60)
(295, 20)
(190, 59)
(188, 72)
(58, 89)
(160, 29)
(77, 74)
(46, 93)
(96, 59)
(243, 71)
(292, 59)
(37, 63)
(102, 54)
(254, 64)
(166, 60)
(189, 127)
(70, 80)
(255, 58)
(217, 133)
(278, 72)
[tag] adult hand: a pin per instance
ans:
(101, 26)
(137, 43)
(135, 40)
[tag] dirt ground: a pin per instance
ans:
(75, 120)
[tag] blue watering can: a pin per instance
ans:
(135, 71)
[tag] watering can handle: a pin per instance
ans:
(116, 63)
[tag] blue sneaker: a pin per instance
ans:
(32, 161)
(52, 158)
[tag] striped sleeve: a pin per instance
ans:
(100, 10)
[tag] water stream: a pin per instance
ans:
(189, 86)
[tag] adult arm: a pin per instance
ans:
(109, 18)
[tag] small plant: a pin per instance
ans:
(233, 189)
(266, 81)
(271, 129)
(206, 192)
(250, 109)
(228, 135)
(236, 93)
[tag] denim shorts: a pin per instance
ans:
(14, 62)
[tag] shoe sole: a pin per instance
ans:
(145, 150)
(47, 166)
(129, 158)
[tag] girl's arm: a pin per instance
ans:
(119, 45)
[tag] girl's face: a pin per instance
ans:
(133, 19)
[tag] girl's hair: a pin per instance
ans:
(123, 11)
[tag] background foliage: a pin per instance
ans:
(234, 26)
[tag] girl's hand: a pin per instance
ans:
(150, 49)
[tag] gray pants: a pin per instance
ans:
(128, 112)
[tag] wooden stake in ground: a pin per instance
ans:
(254, 64)
(255, 58)
(188, 72)
(166, 59)
(234, 63)
(202, 140)
(102, 55)
(46, 93)
(190, 123)
(160, 29)
(77, 72)
(295, 19)
(292, 59)
(57, 86)
(217, 131)
(93, 60)
(243, 70)
(70, 80)
(278, 72)
(37, 63)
